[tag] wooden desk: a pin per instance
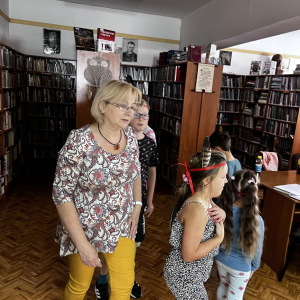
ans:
(279, 212)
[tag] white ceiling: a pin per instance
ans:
(168, 8)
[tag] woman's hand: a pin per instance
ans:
(133, 221)
(216, 213)
(89, 255)
(149, 210)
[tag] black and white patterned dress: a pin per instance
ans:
(185, 279)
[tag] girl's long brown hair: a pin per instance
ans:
(183, 191)
(249, 233)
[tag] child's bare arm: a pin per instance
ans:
(194, 221)
(151, 186)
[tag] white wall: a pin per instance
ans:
(29, 39)
(4, 25)
(220, 20)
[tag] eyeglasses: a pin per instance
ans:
(144, 117)
(123, 107)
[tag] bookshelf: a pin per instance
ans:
(50, 104)
(180, 117)
(141, 75)
(267, 119)
(12, 91)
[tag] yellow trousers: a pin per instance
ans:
(120, 269)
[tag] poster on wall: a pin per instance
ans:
(267, 67)
(105, 40)
(225, 58)
(130, 48)
(255, 67)
(285, 64)
(93, 70)
(52, 41)
(205, 76)
(84, 39)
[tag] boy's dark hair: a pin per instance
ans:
(220, 139)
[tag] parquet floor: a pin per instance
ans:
(31, 269)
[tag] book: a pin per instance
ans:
(105, 40)
(194, 53)
(292, 190)
(84, 39)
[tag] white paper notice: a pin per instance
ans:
(205, 78)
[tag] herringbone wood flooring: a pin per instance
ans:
(31, 269)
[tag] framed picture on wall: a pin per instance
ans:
(130, 48)
(225, 58)
(285, 64)
(52, 41)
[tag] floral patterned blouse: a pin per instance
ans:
(101, 186)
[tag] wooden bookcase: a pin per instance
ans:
(141, 75)
(180, 116)
(267, 118)
(51, 104)
(12, 96)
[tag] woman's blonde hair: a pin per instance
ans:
(114, 91)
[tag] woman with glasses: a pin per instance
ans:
(97, 192)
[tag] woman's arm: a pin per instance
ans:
(194, 222)
(70, 220)
(150, 192)
(134, 218)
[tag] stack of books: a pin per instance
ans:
(292, 190)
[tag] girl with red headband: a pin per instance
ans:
(195, 237)
(241, 248)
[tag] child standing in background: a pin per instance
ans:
(195, 238)
(221, 141)
(241, 250)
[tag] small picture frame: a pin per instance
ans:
(225, 58)
(285, 65)
(130, 50)
(52, 41)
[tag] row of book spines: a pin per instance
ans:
(246, 146)
(290, 99)
(52, 66)
(52, 138)
(7, 57)
(58, 81)
(170, 73)
(166, 139)
(50, 124)
(166, 106)
(286, 82)
(280, 129)
(232, 81)
(43, 151)
(168, 156)
(230, 94)
(229, 106)
(167, 90)
(168, 172)
(47, 95)
(223, 118)
(282, 113)
(51, 110)
(136, 73)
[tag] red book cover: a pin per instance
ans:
(160, 58)
(194, 53)
(104, 34)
